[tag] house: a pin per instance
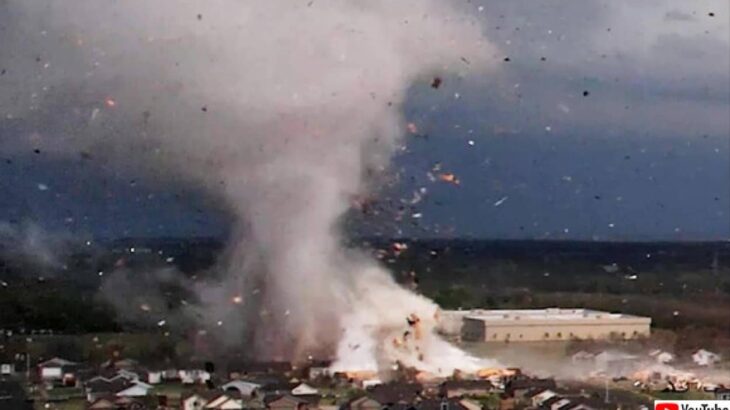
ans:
(224, 401)
(170, 374)
(193, 376)
(238, 370)
(288, 402)
(396, 393)
(470, 404)
(364, 403)
(131, 403)
(304, 389)
(554, 403)
(582, 403)
(104, 403)
(7, 364)
(58, 370)
(245, 389)
(153, 376)
(465, 388)
(275, 385)
(561, 400)
(704, 357)
(308, 393)
(518, 387)
(369, 403)
(319, 369)
(193, 401)
(540, 396)
(136, 389)
(128, 374)
(7, 368)
(722, 393)
(442, 404)
(108, 373)
(370, 383)
(116, 403)
(101, 386)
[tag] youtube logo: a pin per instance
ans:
(692, 405)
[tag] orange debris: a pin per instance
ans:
(450, 178)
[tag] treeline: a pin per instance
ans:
(52, 305)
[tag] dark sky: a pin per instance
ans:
(606, 120)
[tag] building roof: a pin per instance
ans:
(304, 389)
(285, 398)
(396, 392)
(550, 315)
(243, 387)
(120, 363)
(552, 400)
(104, 385)
(56, 362)
(136, 385)
(439, 404)
(530, 383)
(583, 403)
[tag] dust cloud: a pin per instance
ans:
(283, 110)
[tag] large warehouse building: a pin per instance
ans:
(552, 324)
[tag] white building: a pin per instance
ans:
(193, 376)
(56, 369)
(552, 324)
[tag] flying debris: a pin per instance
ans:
(500, 201)
(399, 247)
(450, 178)
(412, 128)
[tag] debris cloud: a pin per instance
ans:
(281, 110)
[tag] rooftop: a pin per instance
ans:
(556, 314)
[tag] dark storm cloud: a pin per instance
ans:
(622, 54)
(587, 85)
(608, 121)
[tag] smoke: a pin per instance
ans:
(31, 246)
(283, 110)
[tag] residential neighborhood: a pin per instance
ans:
(126, 384)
